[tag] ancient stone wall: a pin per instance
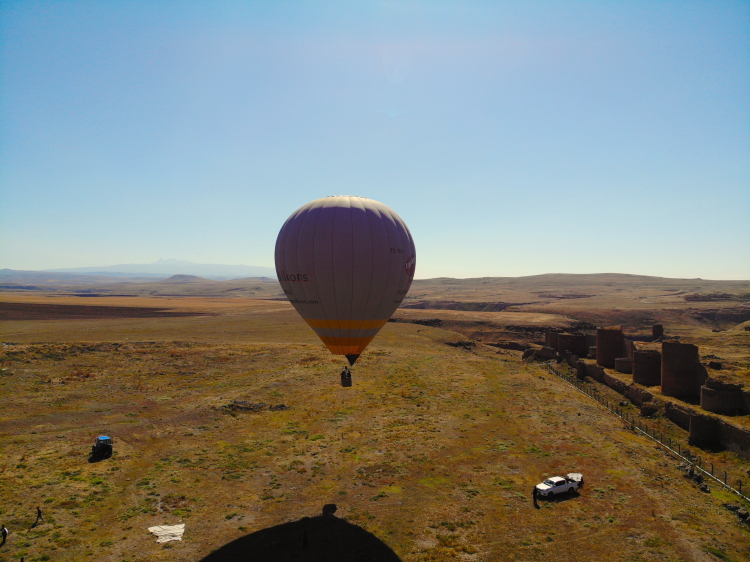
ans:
(679, 415)
(624, 365)
(592, 352)
(628, 347)
(638, 395)
(734, 438)
(574, 343)
(615, 383)
(704, 430)
(647, 368)
(609, 342)
(546, 353)
(590, 340)
(550, 339)
(512, 345)
(721, 401)
(721, 397)
(682, 375)
(657, 331)
(581, 370)
(571, 358)
(595, 372)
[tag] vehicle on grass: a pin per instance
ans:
(560, 485)
(102, 447)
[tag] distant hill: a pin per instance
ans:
(170, 267)
(103, 285)
(184, 279)
(50, 278)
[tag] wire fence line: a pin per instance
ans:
(714, 473)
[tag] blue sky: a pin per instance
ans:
(513, 138)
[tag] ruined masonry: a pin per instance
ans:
(721, 397)
(574, 343)
(682, 374)
(609, 346)
(624, 365)
(677, 369)
(647, 368)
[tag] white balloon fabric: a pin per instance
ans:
(345, 263)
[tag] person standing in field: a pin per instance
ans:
(38, 516)
(5, 532)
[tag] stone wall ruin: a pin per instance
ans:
(721, 397)
(624, 365)
(682, 374)
(647, 368)
(609, 342)
(575, 343)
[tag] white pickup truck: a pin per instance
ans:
(560, 485)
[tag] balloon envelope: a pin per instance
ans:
(345, 263)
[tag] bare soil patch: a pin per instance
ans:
(36, 311)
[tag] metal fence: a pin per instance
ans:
(709, 470)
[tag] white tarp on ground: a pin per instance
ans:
(167, 533)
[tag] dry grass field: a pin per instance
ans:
(430, 455)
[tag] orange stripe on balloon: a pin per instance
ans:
(346, 324)
(346, 346)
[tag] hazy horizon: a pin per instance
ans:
(513, 139)
(109, 269)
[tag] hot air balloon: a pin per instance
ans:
(345, 263)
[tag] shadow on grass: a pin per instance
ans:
(557, 498)
(325, 538)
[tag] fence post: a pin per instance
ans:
(712, 469)
(678, 449)
(740, 485)
(725, 477)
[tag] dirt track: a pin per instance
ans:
(33, 311)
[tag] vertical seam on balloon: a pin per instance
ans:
(385, 286)
(372, 268)
(315, 229)
(296, 257)
(303, 307)
(410, 241)
(333, 268)
(403, 259)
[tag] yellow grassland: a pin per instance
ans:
(434, 449)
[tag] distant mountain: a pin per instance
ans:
(170, 267)
(46, 278)
(183, 279)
